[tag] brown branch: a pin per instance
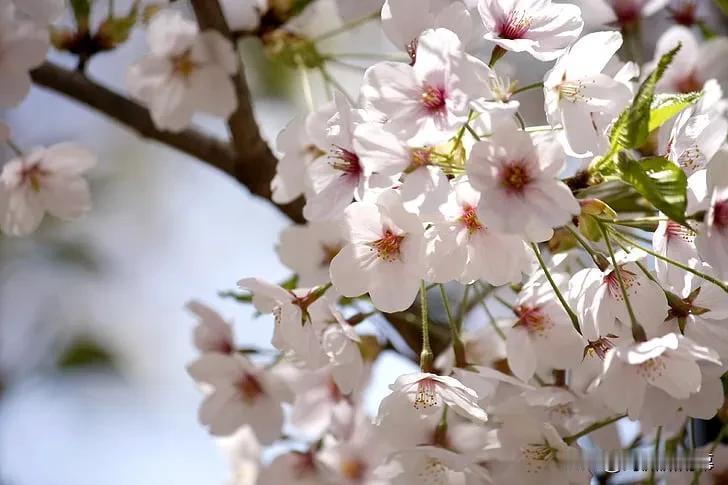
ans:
(251, 168)
(77, 86)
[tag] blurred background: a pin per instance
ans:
(94, 338)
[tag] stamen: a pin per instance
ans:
(388, 246)
(515, 25)
(344, 160)
(433, 98)
(426, 396)
(250, 388)
(469, 219)
(183, 65)
(33, 175)
(515, 177)
(420, 157)
(675, 230)
(629, 278)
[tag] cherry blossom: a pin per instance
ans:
(669, 363)
(624, 12)
(694, 64)
(429, 100)
(212, 333)
(293, 467)
(463, 248)
(44, 180)
(404, 20)
(543, 333)
(520, 193)
(384, 255)
(577, 92)
(186, 71)
(599, 300)
(539, 27)
(242, 394)
(308, 250)
(712, 242)
(243, 15)
(23, 46)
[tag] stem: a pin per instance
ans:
(426, 356)
(528, 87)
(656, 456)
(505, 303)
(497, 329)
(597, 257)
(305, 84)
(346, 27)
(520, 120)
(638, 333)
(15, 148)
(497, 53)
(457, 344)
(562, 300)
(472, 131)
(330, 79)
(598, 425)
(721, 284)
(462, 308)
(368, 56)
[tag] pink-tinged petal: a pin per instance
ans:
(346, 274)
(521, 356)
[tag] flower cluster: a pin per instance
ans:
(427, 185)
(601, 236)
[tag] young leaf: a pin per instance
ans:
(81, 13)
(658, 180)
(632, 127)
(667, 106)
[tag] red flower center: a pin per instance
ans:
(250, 388)
(689, 83)
(33, 175)
(629, 278)
(433, 98)
(469, 219)
(345, 160)
(720, 215)
(515, 25)
(685, 12)
(515, 177)
(388, 246)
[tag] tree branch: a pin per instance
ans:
(77, 86)
(250, 168)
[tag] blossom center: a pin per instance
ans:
(345, 160)
(720, 215)
(515, 25)
(433, 98)
(353, 469)
(570, 90)
(32, 176)
(469, 219)
(598, 347)
(628, 278)
(627, 11)
(420, 157)
(304, 463)
(426, 395)
(689, 83)
(675, 230)
(183, 65)
(651, 368)
(532, 319)
(250, 388)
(388, 246)
(537, 456)
(433, 472)
(514, 177)
(685, 13)
(329, 253)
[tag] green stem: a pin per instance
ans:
(491, 318)
(554, 286)
(596, 256)
(520, 120)
(462, 308)
(656, 456)
(721, 284)
(15, 148)
(528, 87)
(346, 27)
(472, 131)
(367, 56)
(495, 55)
(305, 83)
(638, 333)
(426, 356)
(457, 344)
(330, 79)
(505, 303)
(598, 425)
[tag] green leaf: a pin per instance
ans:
(667, 106)
(239, 297)
(658, 180)
(81, 12)
(723, 5)
(632, 127)
(705, 30)
(85, 352)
